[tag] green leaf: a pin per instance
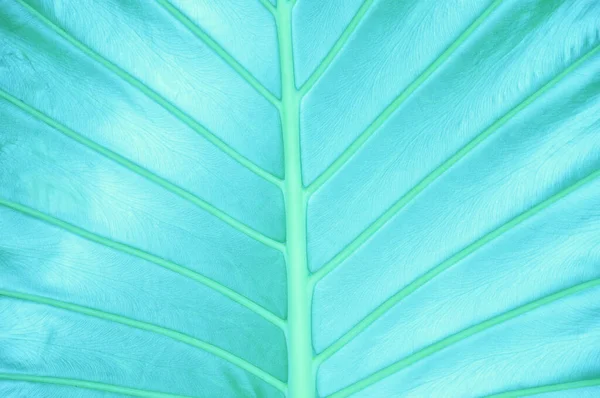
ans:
(250, 198)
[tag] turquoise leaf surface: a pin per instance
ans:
(299, 198)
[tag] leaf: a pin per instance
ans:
(244, 198)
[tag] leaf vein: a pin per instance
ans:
(399, 100)
(547, 388)
(382, 309)
(220, 51)
(88, 385)
(143, 172)
(157, 98)
(173, 334)
(270, 7)
(440, 170)
(136, 252)
(337, 47)
(460, 336)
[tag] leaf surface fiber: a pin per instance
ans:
(299, 198)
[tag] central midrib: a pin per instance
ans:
(301, 375)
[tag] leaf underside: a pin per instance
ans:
(251, 198)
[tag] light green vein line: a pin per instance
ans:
(89, 385)
(546, 389)
(178, 336)
(337, 47)
(220, 51)
(301, 378)
(460, 336)
(221, 215)
(269, 6)
(227, 292)
(417, 189)
(157, 98)
(391, 108)
(431, 274)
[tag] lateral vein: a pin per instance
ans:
(124, 248)
(88, 385)
(440, 170)
(443, 266)
(270, 7)
(337, 47)
(399, 100)
(143, 172)
(548, 388)
(157, 98)
(460, 336)
(220, 51)
(173, 334)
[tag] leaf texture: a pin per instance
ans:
(301, 198)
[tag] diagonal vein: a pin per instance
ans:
(547, 389)
(212, 284)
(173, 334)
(443, 266)
(337, 47)
(220, 51)
(399, 100)
(270, 7)
(430, 178)
(460, 336)
(88, 385)
(182, 193)
(157, 98)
